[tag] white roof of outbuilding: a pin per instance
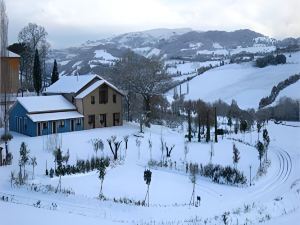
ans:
(39, 117)
(45, 103)
(70, 84)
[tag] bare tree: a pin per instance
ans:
(144, 77)
(114, 146)
(34, 37)
(3, 29)
(33, 162)
(193, 177)
(169, 150)
(4, 67)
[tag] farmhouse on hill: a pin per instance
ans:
(70, 104)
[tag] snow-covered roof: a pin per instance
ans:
(70, 84)
(96, 85)
(45, 103)
(39, 117)
(13, 55)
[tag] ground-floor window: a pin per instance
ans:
(91, 120)
(61, 123)
(116, 119)
(45, 125)
(103, 120)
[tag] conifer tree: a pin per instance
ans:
(37, 73)
(55, 74)
(236, 155)
(24, 156)
(103, 164)
(260, 148)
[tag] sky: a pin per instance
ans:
(72, 22)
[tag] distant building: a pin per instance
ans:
(70, 104)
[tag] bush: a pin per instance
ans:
(270, 60)
(221, 175)
(281, 59)
(6, 137)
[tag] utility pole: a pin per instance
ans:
(250, 175)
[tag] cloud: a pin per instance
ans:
(93, 19)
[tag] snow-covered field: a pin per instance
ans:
(244, 82)
(272, 196)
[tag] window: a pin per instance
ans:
(25, 123)
(62, 123)
(78, 122)
(103, 95)
(45, 125)
(92, 100)
(116, 119)
(91, 119)
(114, 98)
(103, 120)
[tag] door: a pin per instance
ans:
(39, 129)
(54, 127)
(72, 125)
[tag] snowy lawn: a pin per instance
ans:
(170, 189)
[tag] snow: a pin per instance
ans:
(54, 116)
(216, 52)
(170, 189)
(257, 48)
(195, 45)
(291, 91)
(75, 65)
(70, 84)
(45, 103)
(244, 82)
(63, 63)
(103, 54)
(254, 49)
(217, 45)
(153, 52)
(187, 67)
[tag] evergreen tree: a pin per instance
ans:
(266, 141)
(259, 126)
(260, 148)
(55, 74)
(103, 164)
(24, 156)
(229, 122)
(37, 73)
(236, 155)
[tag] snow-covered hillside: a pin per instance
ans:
(244, 82)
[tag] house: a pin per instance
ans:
(9, 82)
(70, 104)
(42, 115)
(96, 99)
(9, 76)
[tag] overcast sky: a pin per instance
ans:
(71, 22)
